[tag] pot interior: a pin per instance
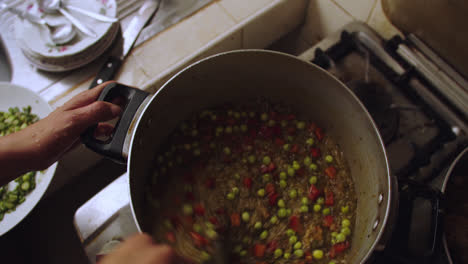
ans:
(238, 76)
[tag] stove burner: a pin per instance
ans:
(378, 103)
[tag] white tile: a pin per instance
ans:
(274, 23)
(380, 23)
(241, 9)
(183, 39)
(359, 9)
(230, 42)
(323, 18)
(131, 72)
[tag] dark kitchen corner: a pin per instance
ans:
(47, 235)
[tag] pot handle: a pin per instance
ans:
(113, 147)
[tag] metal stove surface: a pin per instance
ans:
(420, 139)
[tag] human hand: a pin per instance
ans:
(41, 144)
(140, 249)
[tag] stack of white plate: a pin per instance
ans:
(35, 43)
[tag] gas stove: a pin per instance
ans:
(422, 118)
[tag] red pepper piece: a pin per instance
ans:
(210, 183)
(259, 250)
(300, 172)
(189, 196)
(331, 172)
(272, 199)
(279, 142)
(271, 167)
(189, 220)
(265, 132)
(170, 237)
(272, 246)
(198, 239)
(199, 210)
(294, 223)
(313, 192)
(270, 188)
(291, 117)
(315, 152)
(214, 220)
(338, 248)
(263, 168)
(235, 219)
(291, 131)
(231, 121)
(294, 148)
(220, 211)
(328, 221)
(312, 127)
(248, 182)
(276, 130)
(189, 178)
(319, 133)
(329, 198)
(274, 115)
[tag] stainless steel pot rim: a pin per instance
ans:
(381, 222)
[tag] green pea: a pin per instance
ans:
(317, 254)
(245, 216)
(305, 200)
(334, 234)
(235, 190)
(293, 194)
(243, 128)
(211, 234)
(299, 253)
(313, 167)
(264, 117)
(230, 196)
(197, 228)
(167, 224)
(258, 225)
(290, 232)
(291, 171)
(229, 112)
(219, 130)
(281, 203)
(194, 133)
(345, 223)
(344, 209)
(321, 200)
(237, 176)
(196, 152)
(292, 240)
(266, 177)
(346, 231)
(278, 252)
(287, 255)
(326, 211)
(282, 183)
(340, 238)
(317, 208)
(332, 262)
(209, 225)
(297, 245)
(274, 219)
(266, 160)
(313, 180)
(282, 213)
(304, 209)
(307, 161)
(286, 147)
(261, 192)
(329, 158)
(243, 253)
(205, 256)
(310, 141)
(288, 211)
(25, 186)
(271, 122)
(246, 240)
(283, 175)
(251, 159)
(284, 123)
(237, 115)
(237, 249)
(300, 125)
(214, 117)
(264, 234)
(251, 114)
(187, 209)
(227, 150)
(244, 114)
(228, 130)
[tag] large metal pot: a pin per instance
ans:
(234, 77)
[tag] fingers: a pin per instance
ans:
(99, 111)
(103, 130)
(85, 98)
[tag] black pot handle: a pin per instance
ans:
(113, 147)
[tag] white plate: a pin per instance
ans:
(11, 96)
(35, 38)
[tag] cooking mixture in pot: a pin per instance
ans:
(268, 185)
